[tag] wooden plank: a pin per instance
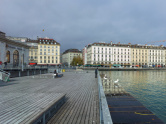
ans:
(22, 112)
(80, 92)
(78, 113)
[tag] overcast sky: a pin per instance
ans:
(76, 23)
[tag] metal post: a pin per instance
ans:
(19, 73)
(22, 60)
(44, 118)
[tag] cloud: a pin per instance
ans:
(75, 24)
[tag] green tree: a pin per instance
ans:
(77, 60)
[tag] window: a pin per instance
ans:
(40, 53)
(40, 57)
(44, 46)
(8, 56)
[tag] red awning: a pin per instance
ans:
(32, 63)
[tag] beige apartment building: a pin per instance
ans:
(139, 55)
(148, 55)
(44, 51)
(68, 56)
(48, 52)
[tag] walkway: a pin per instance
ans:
(81, 91)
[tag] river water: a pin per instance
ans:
(149, 87)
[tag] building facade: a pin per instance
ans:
(48, 52)
(126, 54)
(14, 53)
(44, 51)
(108, 54)
(68, 56)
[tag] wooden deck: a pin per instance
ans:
(81, 105)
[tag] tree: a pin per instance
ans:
(77, 60)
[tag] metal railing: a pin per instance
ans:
(105, 117)
(4, 76)
(23, 67)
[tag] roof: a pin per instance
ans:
(3, 39)
(47, 40)
(129, 45)
(72, 50)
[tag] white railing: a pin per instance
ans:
(4, 76)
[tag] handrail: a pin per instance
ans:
(105, 117)
(4, 76)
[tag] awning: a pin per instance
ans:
(32, 63)
(116, 65)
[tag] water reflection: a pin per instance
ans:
(149, 87)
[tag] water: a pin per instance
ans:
(149, 87)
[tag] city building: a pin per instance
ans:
(12, 52)
(109, 54)
(125, 55)
(68, 56)
(156, 55)
(44, 51)
(33, 51)
(139, 55)
(121, 54)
